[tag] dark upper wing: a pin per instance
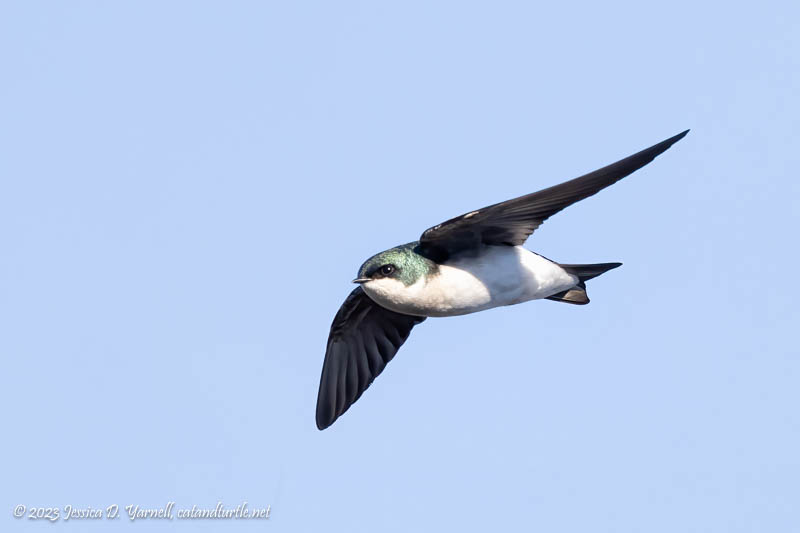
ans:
(364, 337)
(511, 222)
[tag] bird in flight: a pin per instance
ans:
(466, 264)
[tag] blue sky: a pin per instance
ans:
(188, 188)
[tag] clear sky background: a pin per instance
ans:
(187, 189)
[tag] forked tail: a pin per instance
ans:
(577, 294)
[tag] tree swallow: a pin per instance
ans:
(467, 264)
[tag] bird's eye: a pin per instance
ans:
(387, 270)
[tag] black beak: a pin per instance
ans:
(361, 280)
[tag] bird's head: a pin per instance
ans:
(393, 270)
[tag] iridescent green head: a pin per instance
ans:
(401, 263)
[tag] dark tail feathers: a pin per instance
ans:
(577, 294)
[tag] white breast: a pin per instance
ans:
(499, 275)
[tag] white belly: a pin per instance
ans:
(499, 275)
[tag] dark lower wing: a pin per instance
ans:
(364, 337)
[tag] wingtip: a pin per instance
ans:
(664, 145)
(325, 416)
(680, 136)
(324, 424)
